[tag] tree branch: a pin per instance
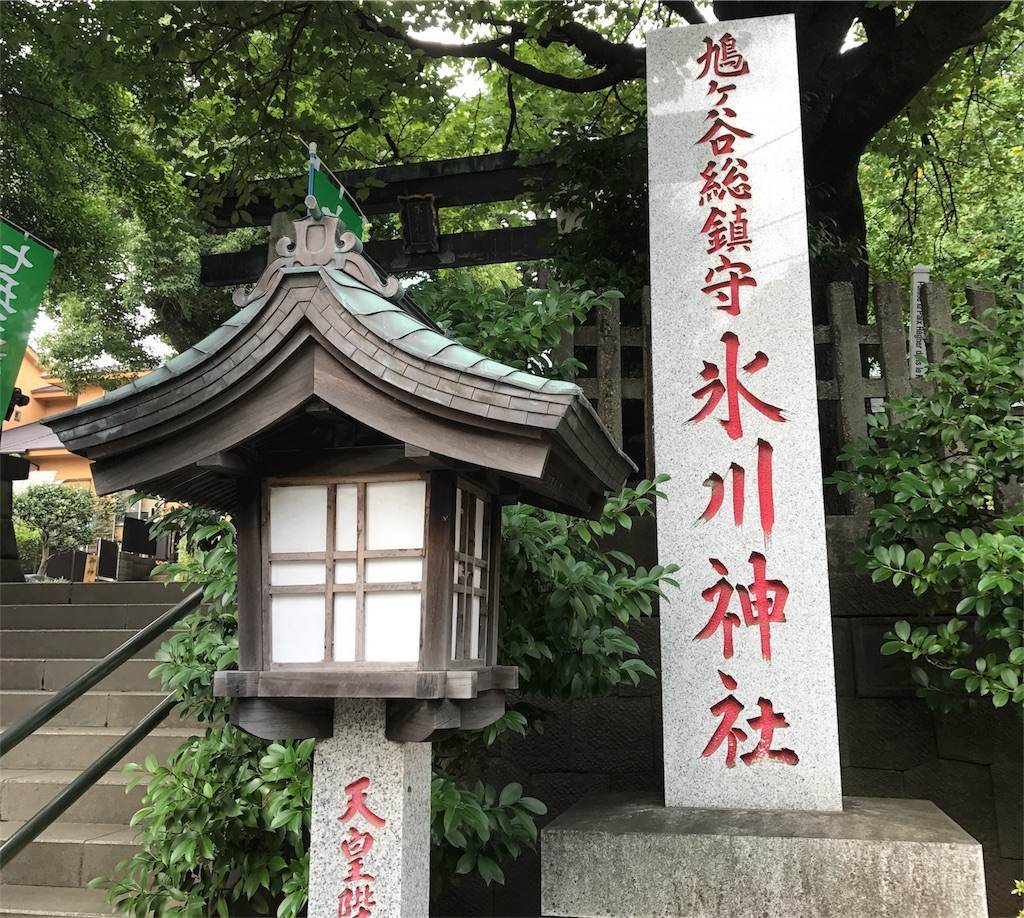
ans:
(621, 62)
(687, 9)
(887, 72)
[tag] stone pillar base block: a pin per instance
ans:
(619, 857)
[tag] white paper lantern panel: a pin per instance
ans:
(393, 626)
(474, 626)
(298, 519)
(345, 523)
(344, 571)
(394, 570)
(478, 534)
(344, 627)
(297, 573)
(394, 514)
(297, 628)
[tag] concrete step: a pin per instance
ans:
(68, 854)
(51, 902)
(49, 644)
(23, 792)
(93, 709)
(125, 592)
(51, 674)
(78, 747)
(64, 616)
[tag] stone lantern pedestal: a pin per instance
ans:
(370, 835)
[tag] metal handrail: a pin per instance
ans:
(78, 687)
(34, 826)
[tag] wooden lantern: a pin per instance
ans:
(364, 457)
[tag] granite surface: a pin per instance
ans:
(776, 365)
(624, 857)
(398, 859)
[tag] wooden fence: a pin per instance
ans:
(859, 368)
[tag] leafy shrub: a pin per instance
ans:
(948, 518)
(30, 546)
(519, 326)
(61, 514)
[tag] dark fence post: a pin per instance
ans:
(842, 310)
(609, 368)
(938, 319)
(892, 337)
(980, 301)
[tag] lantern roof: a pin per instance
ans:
(321, 328)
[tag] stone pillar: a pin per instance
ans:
(753, 822)
(747, 662)
(370, 834)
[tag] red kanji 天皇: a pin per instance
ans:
(356, 901)
(357, 806)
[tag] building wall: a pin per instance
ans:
(50, 464)
(58, 465)
(891, 745)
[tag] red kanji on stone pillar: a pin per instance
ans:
(738, 478)
(357, 902)
(722, 58)
(732, 388)
(766, 723)
(729, 708)
(769, 602)
(357, 806)
(727, 291)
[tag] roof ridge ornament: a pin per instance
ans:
(318, 242)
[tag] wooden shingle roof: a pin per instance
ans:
(321, 326)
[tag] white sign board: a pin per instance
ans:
(748, 683)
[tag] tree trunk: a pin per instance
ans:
(836, 229)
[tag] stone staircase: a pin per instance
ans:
(49, 634)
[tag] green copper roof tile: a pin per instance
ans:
(391, 325)
(561, 386)
(244, 314)
(422, 343)
(458, 357)
(363, 302)
(526, 380)
(346, 280)
(491, 369)
(184, 361)
(213, 341)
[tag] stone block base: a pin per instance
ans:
(624, 857)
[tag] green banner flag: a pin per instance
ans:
(333, 202)
(25, 266)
